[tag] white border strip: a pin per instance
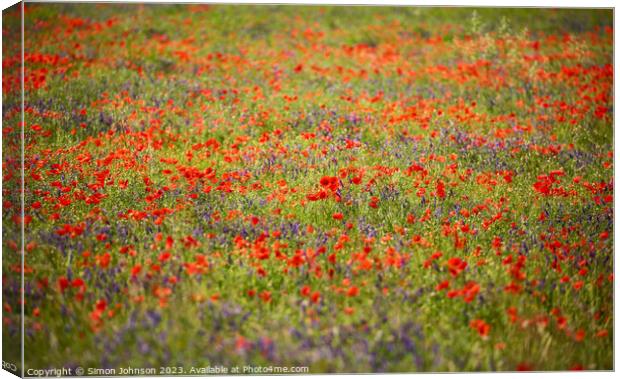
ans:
(425, 3)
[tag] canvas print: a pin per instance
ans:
(200, 189)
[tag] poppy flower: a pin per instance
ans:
(353, 291)
(481, 327)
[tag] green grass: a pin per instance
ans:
(486, 103)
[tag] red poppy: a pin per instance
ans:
(481, 327)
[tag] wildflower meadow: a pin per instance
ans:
(322, 189)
